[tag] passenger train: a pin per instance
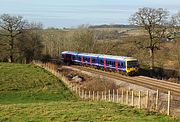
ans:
(121, 64)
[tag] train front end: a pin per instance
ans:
(132, 66)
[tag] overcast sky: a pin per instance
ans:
(72, 13)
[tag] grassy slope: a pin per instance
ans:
(29, 93)
(26, 83)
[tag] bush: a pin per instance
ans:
(100, 85)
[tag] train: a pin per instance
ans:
(121, 64)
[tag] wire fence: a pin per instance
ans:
(160, 102)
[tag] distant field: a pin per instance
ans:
(30, 93)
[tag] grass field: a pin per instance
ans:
(77, 111)
(26, 83)
(29, 93)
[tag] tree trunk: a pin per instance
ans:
(12, 50)
(152, 60)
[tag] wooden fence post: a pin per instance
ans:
(85, 95)
(127, 97)
(97, 95)
(109, 95)
(113, 95)
(139, 101)
(82, 93)
(132, 98)
(117, 97)
(157, 97)
(147, 99)
(93, 95)
(79, 91)
(105, 96)
(102, 97)
(122, 97)
(76, 89)
(89, 94)
(169, 102)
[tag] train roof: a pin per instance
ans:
(117, 57)
(89, 54)
(69, 52)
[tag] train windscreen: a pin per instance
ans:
(132, 64)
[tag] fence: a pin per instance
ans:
(159, 102)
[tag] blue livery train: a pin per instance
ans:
(121, 64)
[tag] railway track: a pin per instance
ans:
(150, 83)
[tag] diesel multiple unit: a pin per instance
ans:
(122, 64)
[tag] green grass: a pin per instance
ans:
(77, 111)
(26, 83)
(30, 93)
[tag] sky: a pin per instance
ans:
(73, 13)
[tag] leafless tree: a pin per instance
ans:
(30, 42)
(82, 40)
(11, 27)
(155, 22)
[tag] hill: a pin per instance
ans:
(26, 83)
(30, 93)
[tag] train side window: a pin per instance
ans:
(79, 58)
(101, 62)
(93, 60)
(123, 65)
(113, 63)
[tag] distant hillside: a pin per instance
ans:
(113, 26)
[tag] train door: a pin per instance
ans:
(104, 63)
(82, 60)
(90, 60)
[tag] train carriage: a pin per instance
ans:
(69, 57)
(123, 64)
(115, 63)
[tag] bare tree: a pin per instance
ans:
(30, 42)
(11, 27)
(82, 40)
(155, 22)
